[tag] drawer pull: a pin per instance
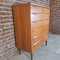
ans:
(35, 13)
(36, 5)
(36, 36)
(35, 43)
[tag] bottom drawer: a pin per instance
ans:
(38, 43)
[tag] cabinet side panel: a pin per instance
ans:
(17, 25)
(27, 27)
(23, 25)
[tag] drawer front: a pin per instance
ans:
(45, 32)
(36, 17)
(36, 24)
(39, 23)
(35, 39)
(36, 31)
(46, 10)
(38, 37)
(36, 45)
(39, 9)
(37, 42)
(45, 22)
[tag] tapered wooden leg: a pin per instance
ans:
(46, 43)
(19, 51)
(31, 56)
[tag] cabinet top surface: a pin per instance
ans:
(33, 3)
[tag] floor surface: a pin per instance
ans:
(49, 52)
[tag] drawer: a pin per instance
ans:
(37, 17)
(45, 22)
(35, 39)
(36, 9)
(43, 36)
(36, 24)
(39, 9)
(38, 37)
(36, 31)
(45, 32)
(36, 45)
(38, 41)
(46, 10)
(40, 23)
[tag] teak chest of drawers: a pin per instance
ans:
(31, 23)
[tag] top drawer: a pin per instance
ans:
(39, 9)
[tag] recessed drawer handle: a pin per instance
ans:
(36, 6)
(35, 43)
(36, 36)
(35, 13)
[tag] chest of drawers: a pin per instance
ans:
(31, 23)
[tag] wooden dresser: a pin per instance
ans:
(31, 23)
